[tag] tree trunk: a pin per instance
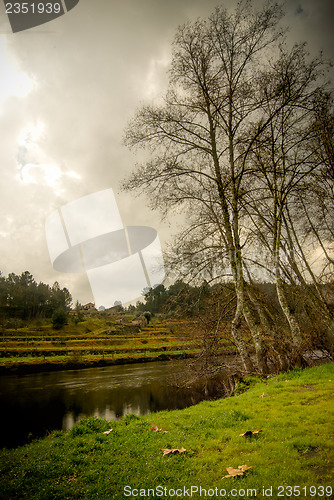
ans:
(237, 336)
(260, 348)
(323, 304)
(293, 323)
(235, 257)
(281, 355)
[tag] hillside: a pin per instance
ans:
(97, 339)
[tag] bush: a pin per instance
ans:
(59, 319)
(147, 315)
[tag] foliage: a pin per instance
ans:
(79, 316)
(147, 315)
(180, 298)
(21, 297)
(59, 319)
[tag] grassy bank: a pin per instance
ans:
(295, 448)
(21, 366)
(97, 340)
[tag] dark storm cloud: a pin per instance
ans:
(312, 21)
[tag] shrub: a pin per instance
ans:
(147, 315)
(59, 319)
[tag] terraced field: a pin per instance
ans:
(96, 339)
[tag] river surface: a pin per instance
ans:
(34, 404)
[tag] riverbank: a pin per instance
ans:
(39, 366)
(294, 448)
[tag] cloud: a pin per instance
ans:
(71, 87)
(13, 81)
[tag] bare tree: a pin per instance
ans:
(218, 117)
(286, 162)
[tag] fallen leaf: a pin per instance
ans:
(245, 467)
(250, 433)
(263, 395)
(155, 428)
(237, 472)
(173, 451)
(233, 472)
(107, 432)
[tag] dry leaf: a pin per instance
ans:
(244, 468)
(237, 472)
(107, 432)
(250, 433)
(155, 428)
(263, 395)
(234, 472)
(173, 451)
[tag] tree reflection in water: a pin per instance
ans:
(35, 404)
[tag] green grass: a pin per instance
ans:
(295, 447)
(86, 359)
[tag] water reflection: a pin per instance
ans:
(35, 404)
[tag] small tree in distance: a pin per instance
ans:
(59, 319)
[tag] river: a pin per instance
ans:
(34, 404)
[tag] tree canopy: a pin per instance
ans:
(22, 297)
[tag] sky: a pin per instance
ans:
(67, 90)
